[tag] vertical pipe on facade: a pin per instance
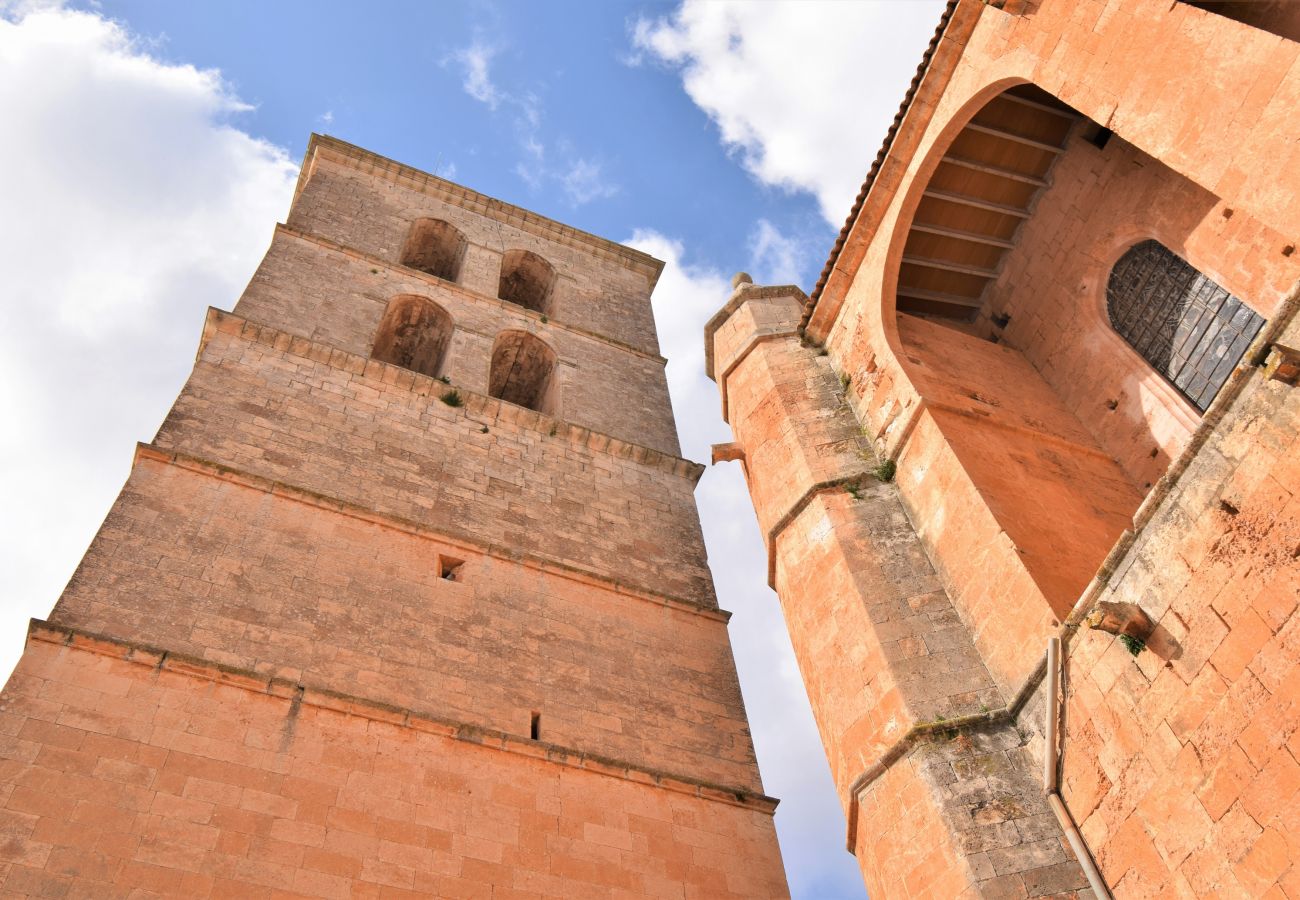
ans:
(1051, 783)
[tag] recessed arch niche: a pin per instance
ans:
(523, 372)
(527, 280)
(434, 247)
(414, 333)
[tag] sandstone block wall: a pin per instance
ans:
(128, 775)
(380, 437)
(1021, 478)
(369, 207)
(245, 576)
(334, 296)
(1181, 764)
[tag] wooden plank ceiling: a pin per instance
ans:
(976, 200)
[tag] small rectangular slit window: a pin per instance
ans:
(449, 568)
(535, 727)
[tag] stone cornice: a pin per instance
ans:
(461, 290)
(347, 704)
(317, 351)
(351, 156)
(462, 540)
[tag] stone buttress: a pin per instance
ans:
(888, 665)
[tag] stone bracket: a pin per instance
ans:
(1282, 364)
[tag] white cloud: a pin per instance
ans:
(809, 819)
(476, 60)
(131, 204)
(776, 258)
(581, 180)
(804, 92)
(585, 181)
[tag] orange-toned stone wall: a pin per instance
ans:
(961, 816)
(141, 775)
(1125, 65)
(1181, 765)
(379, 436)
(246, 576)
(1058, 497)
(334, 296)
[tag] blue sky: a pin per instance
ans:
(150, 147)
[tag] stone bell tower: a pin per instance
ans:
(408, 594)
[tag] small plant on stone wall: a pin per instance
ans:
(1133, 645)
(885, 471)
(444, 379)
(845, 380)
(452, 398)
(545, 320)
(855, 490)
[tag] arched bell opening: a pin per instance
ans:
(434, 247)
(523, 372)
(526, 280)
(414, 333)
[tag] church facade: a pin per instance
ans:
(1026, 460)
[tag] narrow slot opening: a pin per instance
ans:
(449, 569)
(535, 727)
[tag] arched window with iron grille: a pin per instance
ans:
(1191, 330)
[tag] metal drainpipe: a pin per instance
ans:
(1051, 783)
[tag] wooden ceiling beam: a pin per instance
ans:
(958, 235)
(939, 297)
(998, 171)
(1012, 136)
(946, 266)
(1034, 104)
(977, 203)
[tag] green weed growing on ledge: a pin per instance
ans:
(1133, 645)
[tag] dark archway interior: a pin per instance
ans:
(526, 280)
(523, 371)
(435, 247)
(414, 334)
